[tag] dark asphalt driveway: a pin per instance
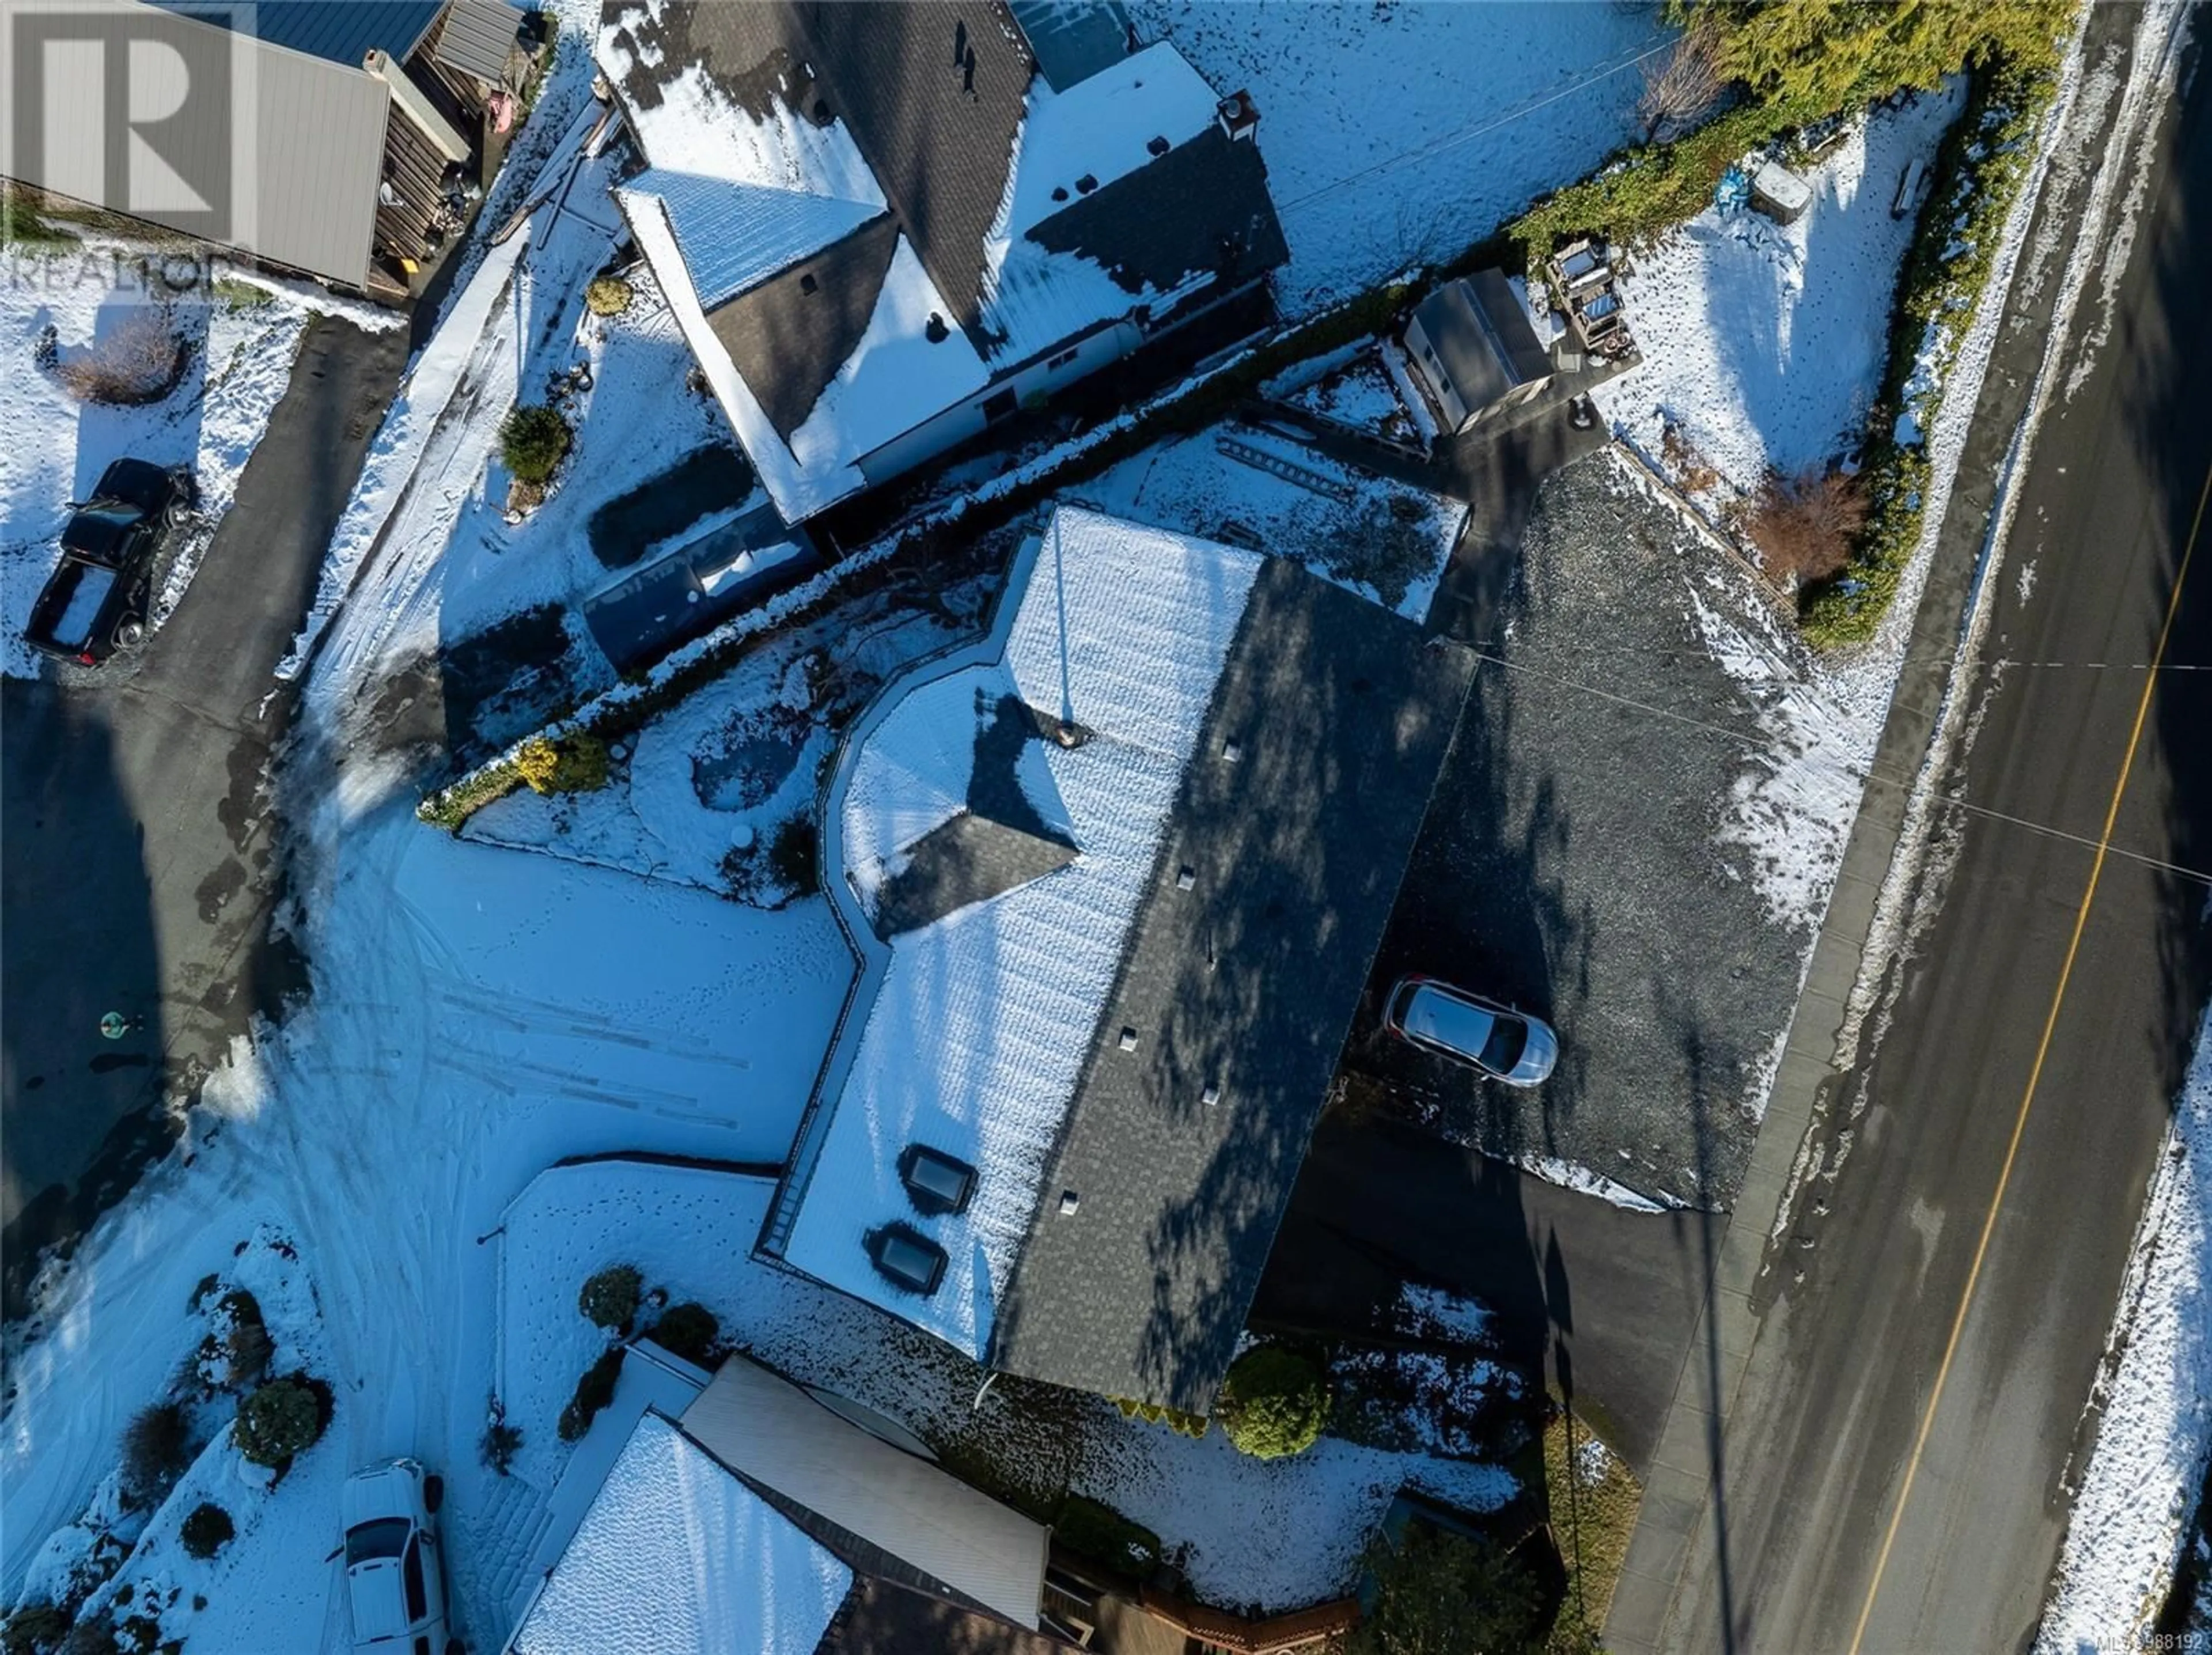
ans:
(137, 870)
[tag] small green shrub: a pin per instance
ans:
(791, 854)
(1274, 1403)
(533, 439)
(688, 1330)
(576, 762)
(1097, 1531)
(610, 1298)
(607, 295)
(278, 1421)
(1435, 1593)
(206, 1530)
(450, 808)
(157, 1446)
(593, 1392)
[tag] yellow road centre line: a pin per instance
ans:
(2035, 1073)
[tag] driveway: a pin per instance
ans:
(138, 870)
(1574, 860)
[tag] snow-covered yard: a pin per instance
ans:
(242, 341)
(1401, 132)
(1277, 1534)
(1763, 343)
(479, 1014)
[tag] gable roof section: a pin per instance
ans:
(735, 235)
(773, 1434)
(1248, 982)
(1481, 335)
(479, 38)
(968, 1035)
(316, 147)
(789, 339)
(677, 1554)
(337, 31)
(1072, 40)
(937, 131)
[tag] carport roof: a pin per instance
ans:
(1247, 982)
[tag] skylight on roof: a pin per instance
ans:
(906, 1257)
(936, 1183)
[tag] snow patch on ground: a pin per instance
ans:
(1397, 135)
(2139, 1493)
(1763, 343)
(1573, 1175)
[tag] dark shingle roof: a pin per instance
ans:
(1204, 205)
(1248, 982)
(880, 1618)
(937, 134)
(788, 342)
(341, 31)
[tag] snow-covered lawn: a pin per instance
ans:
(1763, 344)
(479, 1014)
(2139, 1494)
(1277, 1534)
(707, 786)
(56, 447)
(1401, 132)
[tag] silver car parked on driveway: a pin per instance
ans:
(1505, 1044)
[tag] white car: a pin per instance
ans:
(395, 1578)
(1505, 1044)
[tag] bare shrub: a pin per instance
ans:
(157, 1446)
(1680, 86)
(1804, 525)
(134, 362)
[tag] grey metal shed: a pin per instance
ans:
(1473, 349)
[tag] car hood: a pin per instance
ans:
(381, 1491)
(380, 1599)
(140, 482)
(1537, 1056)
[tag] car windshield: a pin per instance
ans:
(1508, 1035)
(385, 1537)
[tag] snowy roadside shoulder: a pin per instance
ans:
(2138, 1496)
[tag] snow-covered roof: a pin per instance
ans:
(772, 1432)
(735, 236)
(676, 1554)
(968, 1035)
(742, 113)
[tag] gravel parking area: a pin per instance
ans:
(1626, 794)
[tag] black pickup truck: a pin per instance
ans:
(95, 603)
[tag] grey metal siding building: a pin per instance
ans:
(282, 162)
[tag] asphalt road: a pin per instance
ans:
(136, 868)
(1885, 1482)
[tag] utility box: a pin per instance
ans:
(1780, 193)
